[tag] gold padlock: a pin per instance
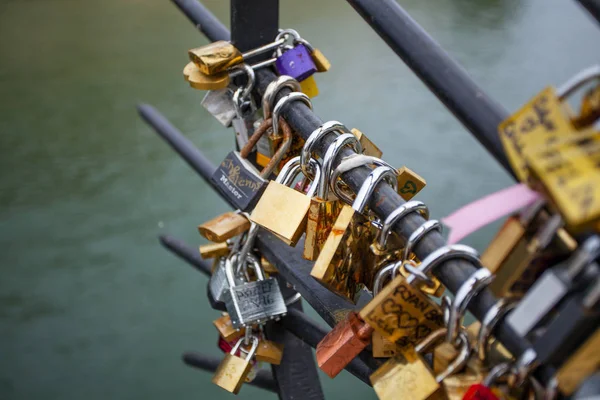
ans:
(309, 87)
(409, 183)
(215, 57)
(590, 108)
(382, 346)
(233, 370)
(214, 250)
(584, 362)
(226, 329)
(341, 265)
(369, 148)
(200, 81)
(224, 226)
(269, 351)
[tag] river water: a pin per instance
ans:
(90, 306)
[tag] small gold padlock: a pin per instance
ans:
(214, 250)
(382, 346)
(200, 81)
(309, 87)
(269, 351)
(584, 362)
(215, 57)
(409, 183)
(226, 329)
(224, 226)
(233, 370)
(369, 148)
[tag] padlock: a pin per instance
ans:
(584, 362)
(324, 208)
(309, 87)
(341, 265)
(269, 351)
(226, 329)
(252, 302)
(321, 62)
(236, 177)
(246, 113)
(458, 384)
(214, 250)
(554, 284)
(590, 108)
(219, 103)
(282, 210)
(369, 148)
(486, 389)
(200, 81)
(295, 62)
(218, 284)
(224, 226)
(382, 346)
(408, 375)
(576, 319)
(409, 183)
(342, 344)
(233, 370)
(221, 55)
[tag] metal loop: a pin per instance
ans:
(395, 216)
(496, 373)
(294, 96)
(273, 89)
(293, 299)
(368, 187)
(496, 313)
(250, 353)
(578, 81)
(349, 163)
(461, 359)
(315, 137)
(306, 44)
(467, 291)
(381, 276)
(419, 234)
(444, 254)
(524, 366)
(288, 32)
(251, 79)
(331, 154)
(411, 267)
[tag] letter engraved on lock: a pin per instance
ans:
(409, 187)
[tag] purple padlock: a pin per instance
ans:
(296, 63)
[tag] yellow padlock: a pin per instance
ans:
(309, 87)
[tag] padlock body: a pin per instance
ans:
(282, 211)
(309, 87)
(406, 376)
(296, 63)
(226, 329)
(580, 365)
(321, 62)
(342, 344)
(321, 217)
(269, 351)
(409, 183)
(201, 81)
(217, 283)
(215, 57)
(478, 391)
(369, 148)
(213, 250)
(224, 226)
(403, 313)
(382, 346)
(220, 104)
(238, 180)
(231, 373)
(254, 302)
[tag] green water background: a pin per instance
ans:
(90, 306)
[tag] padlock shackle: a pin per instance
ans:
(395, 216)
(460, 361)
(577, 81)
(288, 98)
(314, 138)
(347, 164)
(420, 233)
(256, 266)
(443, 254)
(250, 353)
(497, 312)
(279, 154)
(470, 288)
(334, 149)
(368, 187)
(247, 89)
(272, 90)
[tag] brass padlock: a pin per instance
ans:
(224, 226)
(269, 351)
(409, 183)
(369, 148)
(309, 87)
(590, 108)
(233, 370)
(226, 329)
(382, 346)
(341, 265)
(283, 210)
(200, 81)
(580, 365)
(215, 57)
(214, 250)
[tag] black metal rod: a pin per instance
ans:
(593, 7)
(385, 200)
(264, 378)
(311, 333)
(254, 23)
(189, 255)
(442, 75)
(203, 19)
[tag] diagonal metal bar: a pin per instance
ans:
(593, 7)
(264, 378)
(189, 255)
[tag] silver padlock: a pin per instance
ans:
(218, 283)
(254, 302)
(553, 286)
(220, 104)
(245, 108)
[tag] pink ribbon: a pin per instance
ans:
(488, 209)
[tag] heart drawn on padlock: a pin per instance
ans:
(406, 321)
(422, 331)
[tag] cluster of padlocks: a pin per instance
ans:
(547, 285)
